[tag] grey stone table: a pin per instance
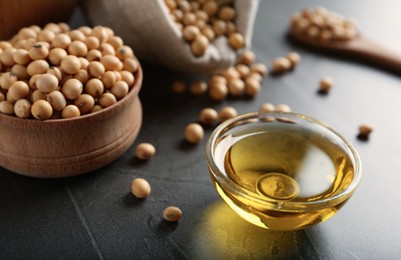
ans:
(95, 217)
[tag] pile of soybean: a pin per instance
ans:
(55, 72)
(202, 21)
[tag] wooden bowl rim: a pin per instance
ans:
(103, 113)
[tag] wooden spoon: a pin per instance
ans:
(359, 46)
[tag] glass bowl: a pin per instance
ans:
(282, 171)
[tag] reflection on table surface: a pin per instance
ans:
(222, 234)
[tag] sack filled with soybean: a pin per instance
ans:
(193, 36)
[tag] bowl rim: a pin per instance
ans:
(102, 113)
(282, 205)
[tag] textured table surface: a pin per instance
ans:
(95, 217)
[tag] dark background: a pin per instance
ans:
(95, 217)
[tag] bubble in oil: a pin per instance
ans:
(277, 186)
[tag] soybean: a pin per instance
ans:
(17, 90)
(41, 110)
(198, 88)
(37, 67)
(145, 151)
(70, 111)
(365, 130)
(6, 107)
(38, 52)
(226, 113)
(140, 188)
(85, 103)
(325, 84)
(94, 87)
(70, 64)
(72, 88)
(172, 214)
(22, 108)
(57, 100)
(47, 83)
(208, 116)
(107, 99)
(120, 89)
(194, 133)
(96, 69)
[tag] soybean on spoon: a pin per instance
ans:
(322, 29)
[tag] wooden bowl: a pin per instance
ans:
(67, 147)
(16, 14)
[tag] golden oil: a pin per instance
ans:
(283, 162)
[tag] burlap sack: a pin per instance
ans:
(145, 25)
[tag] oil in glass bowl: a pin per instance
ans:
(284, 171)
